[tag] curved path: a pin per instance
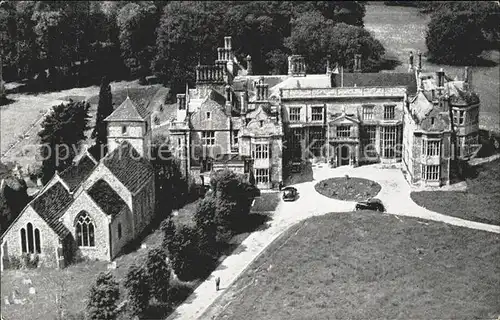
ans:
(395, 194)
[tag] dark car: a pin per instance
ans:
(289, 194)
(371, 204)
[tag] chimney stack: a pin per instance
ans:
(357, 62)
(227, 42)
(229, 103)
(411, 66)
(249, 65)
(296, 65)
(468, 78)
(419, 61)
(181, 101)
(440, 80)
(328, 68)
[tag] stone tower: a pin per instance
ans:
(131, 123)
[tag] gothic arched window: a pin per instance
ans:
(23, 240)
(84, 230)
(31, 247)
(30, 239)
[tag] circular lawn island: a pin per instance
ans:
(348, 189)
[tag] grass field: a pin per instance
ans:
(351, 189)
(75, 280)
(365, 265)
(20, 121)
(403, 29)
(481, 201)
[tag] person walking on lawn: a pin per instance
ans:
(217, 283)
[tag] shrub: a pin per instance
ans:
(158, 274)
(29, 262)
(15, 262)
(103, 298)
(136, 282)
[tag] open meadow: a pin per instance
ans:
(403, 29)
(366, 265)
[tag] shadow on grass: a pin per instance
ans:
(6, 101)
(389, 63)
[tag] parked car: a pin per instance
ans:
(371, 204)
(289, 194)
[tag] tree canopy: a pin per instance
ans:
(62, 131)
(459, 31)
(58, 44)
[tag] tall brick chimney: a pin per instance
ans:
(440, 81)
(357, 62)
(468, 78)
(249, 65)
(296, 65)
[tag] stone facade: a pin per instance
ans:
(92, 209)
(49, 241)
(343, 118)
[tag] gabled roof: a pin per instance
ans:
(75, 174)
(379, 79)
(420, 107)
(128, 111)
(350, 117)
(50, 206)
(106, 198)
(128, 166)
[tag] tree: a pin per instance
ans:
(315, 38)
(136, 282)
(158, 273)
(103, 298)
(61, 134)
(186, 27)
(459, 31)
(104, 109)
(207, 225)
(137, 23)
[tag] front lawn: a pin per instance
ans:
(73, 283)
(363, 265)
(481, 201)
(348, 189)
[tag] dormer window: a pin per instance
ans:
(124, 129)
(208, 115)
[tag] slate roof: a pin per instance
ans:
(129, 111)
(128, 166)
(75, 174)
(106, 198)
(379, 79)
(50, 206)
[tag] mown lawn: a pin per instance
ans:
(480, 202)
(73, 283)
(348, 189)
(364, 265)
(403, 29)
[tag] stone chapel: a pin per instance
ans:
(93, 208)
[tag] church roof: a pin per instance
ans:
(106, 198)
(379, 79)
(75, 174)
(50, 207)
(128, 166)
(128, 111)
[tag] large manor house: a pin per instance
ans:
(259, 124)
(255, 125)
